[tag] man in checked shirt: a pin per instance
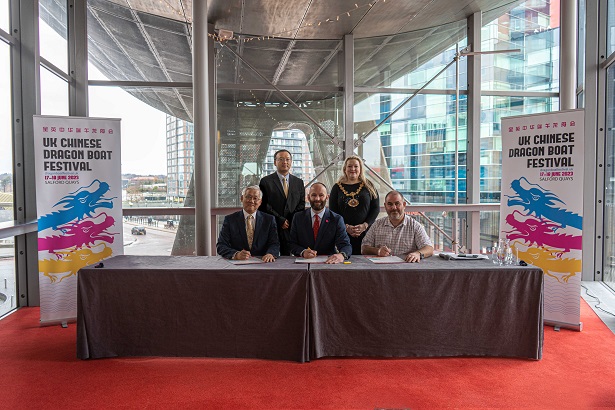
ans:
(397, 233)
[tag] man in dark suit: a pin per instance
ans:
(249, 232)
(318, 230)
(283, 196)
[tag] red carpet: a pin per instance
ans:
(39, 369)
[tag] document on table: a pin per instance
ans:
(386, 259)
(250, 261)
(318, 259)
(462, 256)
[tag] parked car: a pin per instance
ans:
(138, 230)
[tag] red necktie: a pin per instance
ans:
(316, 226)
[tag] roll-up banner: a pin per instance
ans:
(78, 200)
(541, 208)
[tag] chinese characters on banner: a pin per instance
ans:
(78, 200)
(541, 208)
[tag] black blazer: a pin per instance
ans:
(233, 237)
(281, 207)
(332, 236)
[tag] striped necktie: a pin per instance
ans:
(285, 187)
(250, 229)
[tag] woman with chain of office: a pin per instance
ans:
(356, 199)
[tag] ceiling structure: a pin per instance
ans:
(290, 42)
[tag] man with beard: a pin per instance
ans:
(318, 230)
(397, 233)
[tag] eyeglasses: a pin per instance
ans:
(252, 198)
(283, 159)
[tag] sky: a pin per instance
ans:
(143, 127)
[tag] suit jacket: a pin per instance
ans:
(281, 207)
(332, 236)
(233, 237)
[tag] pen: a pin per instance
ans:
(347, 262)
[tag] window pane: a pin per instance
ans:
(122, 52)
(318, 59)
(530, 28)
(611, 27)
(493, 109)
(409, 60)
(143, 128)
(4, 15)
(8, 298)
(53, 33)
(54, 94)
(150, 235)
(6, 137)
(414, 149)
(253, 124)
(151, 151)
(609, 181)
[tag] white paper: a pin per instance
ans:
(246, 261)
(317, 259)
(464, 257)
(386, 259)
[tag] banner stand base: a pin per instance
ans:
(557, 325)
(62, 322)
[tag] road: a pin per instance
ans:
(157, 241)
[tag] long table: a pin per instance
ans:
(208, 307)
(192, 306)
(433, 308)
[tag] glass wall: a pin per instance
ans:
(53, 47)
(8, 277)
(609, 181)
(8, 298)
(4, 15)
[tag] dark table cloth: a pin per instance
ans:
(433, 308)
(192, 306)
(208, 307)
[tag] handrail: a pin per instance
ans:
(13, 228)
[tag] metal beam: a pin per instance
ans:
(202, 171)
(595, 47)
(568, 54)
(473, 132)
(77, 58)
(348, 95)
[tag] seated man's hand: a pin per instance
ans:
(242, 255)
(413, 257)
(268, 258)
(309, 254)
(384, 251)
(335, 258)
(285, 225)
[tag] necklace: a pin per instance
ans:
(353, 202)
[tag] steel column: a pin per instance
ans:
(348, 95)
(201, 91)
(473, 132)
(568, 55)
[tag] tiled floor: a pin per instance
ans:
(601, 298)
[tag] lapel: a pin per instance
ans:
(278, 183)
(257, 227)
(325, 223)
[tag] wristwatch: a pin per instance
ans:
(344, 255)
(422, 255)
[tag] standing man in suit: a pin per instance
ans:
(283, 196)
(318, 230)
(249, 232)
